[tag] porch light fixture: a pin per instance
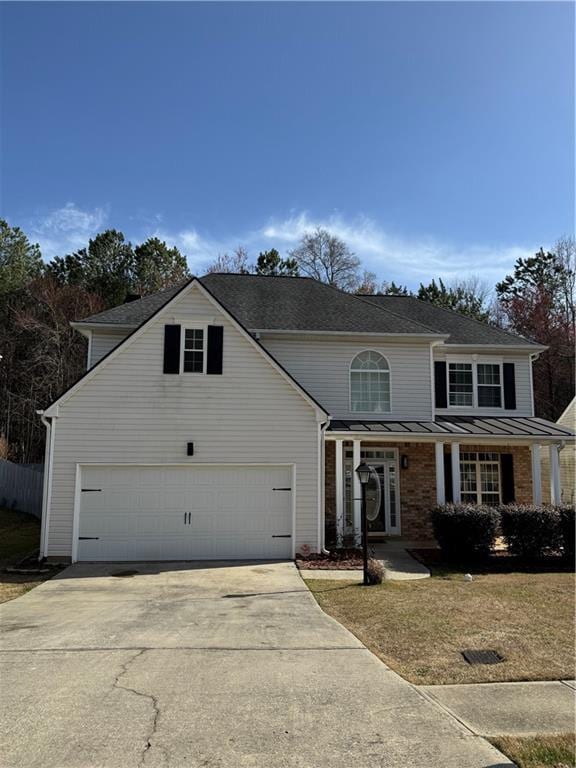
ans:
(404, 461)
(364, 471)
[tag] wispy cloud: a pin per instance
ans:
(66, 229)
(403, 258)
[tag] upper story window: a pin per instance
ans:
(193, 349)
(489, 385)
(460, 384)
(370, 383)
(474, 385)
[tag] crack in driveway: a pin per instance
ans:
(156, 706)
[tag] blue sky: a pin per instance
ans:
(435, 138)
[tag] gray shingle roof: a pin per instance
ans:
(278, 303)
(462, 329)
(302, 304)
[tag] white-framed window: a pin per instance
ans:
(489, 378)
(474, 384)
(193, 350)
(460, 384)
(370, 383)
(480, 481)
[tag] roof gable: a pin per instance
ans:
(165, 308)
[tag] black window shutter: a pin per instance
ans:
(440, 384)
(509, 386)
(507, 472)
(448, 477)
(171, 349)
(215, 345)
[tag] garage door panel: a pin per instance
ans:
(185, 513)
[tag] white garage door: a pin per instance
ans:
(185, 513)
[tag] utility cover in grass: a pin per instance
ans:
(482, 657)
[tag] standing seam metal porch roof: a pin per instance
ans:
(461, 426)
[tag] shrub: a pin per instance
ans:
(465, 530)
(567, 514)
(529, 531)
(375, 571)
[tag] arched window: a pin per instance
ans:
(370, 383)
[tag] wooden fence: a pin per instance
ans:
(21, 486)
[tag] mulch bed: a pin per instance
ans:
(337, 560)
(498, 562)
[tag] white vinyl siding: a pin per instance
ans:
(103, 342)
(130, 412)
(322, 366)
(522, 374)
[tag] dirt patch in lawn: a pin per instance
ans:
(419, 628)
(549, 751)
(19, 542)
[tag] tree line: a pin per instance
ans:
(41, 355)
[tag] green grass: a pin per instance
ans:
(19, 535)
(550, 751)
(420, 627)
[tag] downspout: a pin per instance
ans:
(322, 486)
(47, 484)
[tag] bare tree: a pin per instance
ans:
(236, 263)
(367, 285)
(325, 257)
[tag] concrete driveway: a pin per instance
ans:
(212, 665)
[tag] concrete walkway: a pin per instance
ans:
(398, 564)
(519, 709)
(221, 665)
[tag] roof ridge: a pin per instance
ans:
(254, 274)
(481, 323)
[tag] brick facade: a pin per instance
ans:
(418, 484)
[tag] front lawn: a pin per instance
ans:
(19, 537)
(418, 628)
(550, 751)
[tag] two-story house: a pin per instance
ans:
(224, 418)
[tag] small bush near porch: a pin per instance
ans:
(419, 628)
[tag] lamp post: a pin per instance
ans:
(364, 471)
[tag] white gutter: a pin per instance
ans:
(322, 487)
(47, 485)
(317, 332)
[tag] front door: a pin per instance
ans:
(382, 500)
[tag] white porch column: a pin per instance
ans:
(536, 474)
(456, 495)
(339, 479)
(554, 474)
(356, 489)
(440, 487)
